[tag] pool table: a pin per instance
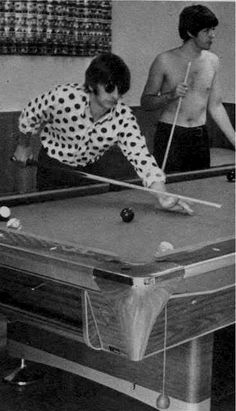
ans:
(85, 292)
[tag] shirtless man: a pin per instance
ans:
(189, 148)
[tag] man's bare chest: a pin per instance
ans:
(200, 76)
(200, 79)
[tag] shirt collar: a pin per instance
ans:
(108, 116)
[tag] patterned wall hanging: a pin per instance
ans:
(55, 27)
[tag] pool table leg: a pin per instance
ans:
(189, 372)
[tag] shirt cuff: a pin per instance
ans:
(150, 179)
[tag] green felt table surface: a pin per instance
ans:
(94, 221)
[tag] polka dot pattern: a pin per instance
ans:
(71, 136)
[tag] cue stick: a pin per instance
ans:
(129, 185)
(150, 190)
(175, 120)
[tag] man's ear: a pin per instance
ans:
(92, 90)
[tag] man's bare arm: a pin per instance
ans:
(24, 139)
(153, 97)
(218, 112)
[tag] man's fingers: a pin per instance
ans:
(168, 202)
(175, 204)
(22, 163)
(182, 207)
(185, 207)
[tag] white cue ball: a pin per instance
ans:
(164, 247)
(4, 213)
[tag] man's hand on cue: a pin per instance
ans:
(175, 204)
(22, 154)
(171, 203)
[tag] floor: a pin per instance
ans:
(60, 391)
(57, 390)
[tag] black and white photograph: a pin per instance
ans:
(117, 205)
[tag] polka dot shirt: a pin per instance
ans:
(70, 135)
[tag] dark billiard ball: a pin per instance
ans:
(231, 176)
(4, 213)
(127, 215)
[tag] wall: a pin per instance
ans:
(141, 29)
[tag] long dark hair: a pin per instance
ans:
(107, 68)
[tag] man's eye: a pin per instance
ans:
(208, 30)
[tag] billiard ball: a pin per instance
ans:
(231, 176)
(127, 215)
(14, 223)
(4, 213)
(164, 247)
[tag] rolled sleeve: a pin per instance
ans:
(35, 114)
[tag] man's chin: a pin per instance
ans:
(110, 104)
(208, 46)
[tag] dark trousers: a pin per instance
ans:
(52, 174)
(189, 149)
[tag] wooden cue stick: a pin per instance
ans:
(175, 120)
(128, 185)
(150, 190)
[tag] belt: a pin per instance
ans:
(197, 131)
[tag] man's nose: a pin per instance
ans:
(115, 94)
(212, 34)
